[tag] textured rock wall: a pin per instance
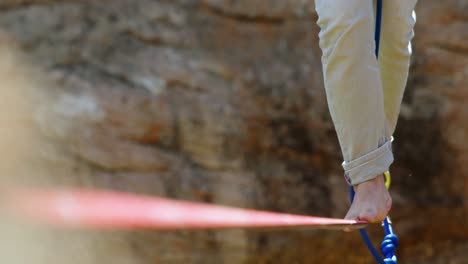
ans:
(222, 101)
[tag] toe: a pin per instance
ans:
(352, 214)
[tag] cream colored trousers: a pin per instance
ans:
(364, 94)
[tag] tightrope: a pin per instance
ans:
(78, 208)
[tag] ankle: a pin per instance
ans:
(378, 180)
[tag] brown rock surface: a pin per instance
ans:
(222, 101)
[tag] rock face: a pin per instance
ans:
(222, 101)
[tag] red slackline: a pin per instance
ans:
(108, 209)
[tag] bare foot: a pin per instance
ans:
(371, 202)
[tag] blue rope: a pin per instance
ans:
(390, 241)
(378, 26)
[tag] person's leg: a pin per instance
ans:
(398, 21)
(395, 50)
(356, 101)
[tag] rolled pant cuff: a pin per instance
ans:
(369, 166)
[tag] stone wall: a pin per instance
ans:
(222, 102)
